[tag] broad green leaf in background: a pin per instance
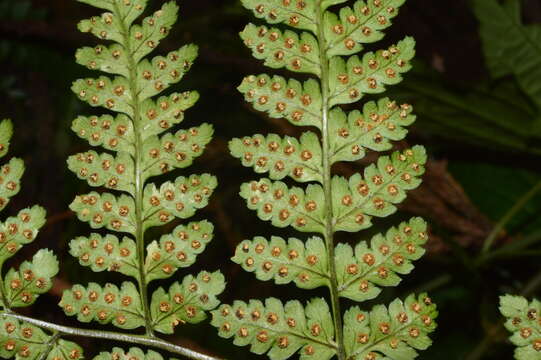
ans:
(510, 47)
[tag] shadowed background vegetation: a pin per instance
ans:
(475, 86)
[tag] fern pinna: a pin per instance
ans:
(523, 320)
(20, 337)
(140, 146)
(323, 46)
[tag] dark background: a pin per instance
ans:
(481, 131)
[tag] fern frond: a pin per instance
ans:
(138, 133)
(21, 287)
(325, 50)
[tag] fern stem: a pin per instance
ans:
(114, 336)
(521, 203)
(138, 174)
(3, 297)
(50, 345)
(327, 186)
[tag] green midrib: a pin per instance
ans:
(327, 184)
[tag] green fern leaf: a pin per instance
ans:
(142, 152)
(350, 80)
(106, 253)
(163, 72)
(6, 132)
(65, 350)
(300, 103)
(145, 37)
(510, 46)
(281, 157)
(283, 206)
(374, 194)
(112, 94)
(175, 151)
(362, 24)
(177, 250)
(372, 129)
(106, 210)
(112, 133)
(361, 272)
(10, 174)
(180, 199)
(306, 264)
(22, 287)
(21, 340)
(281, 330)
(133, 353)
(523, 323)
(127, 10)
(104, 170)
(299, 14)
(108, 304)
(110, 59)
(186, 302)
(336, 203)
(283, 49)
(167, 111)
(19, 230)
(395, 332)
(327, 3)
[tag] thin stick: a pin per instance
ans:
(109, 335)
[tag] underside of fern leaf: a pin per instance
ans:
(141, 142)
(523, 321)
(323, 43)
(21, 287)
